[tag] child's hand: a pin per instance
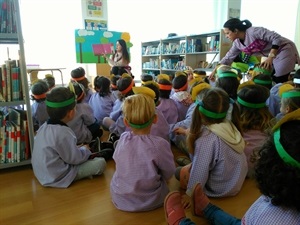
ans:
(180, 130)
(186, 201)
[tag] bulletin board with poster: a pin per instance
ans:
(94, 14)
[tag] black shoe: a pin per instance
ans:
(105, 153)
(113, 137)
(95, 145)
(106, 144)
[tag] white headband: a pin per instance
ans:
(296, 80)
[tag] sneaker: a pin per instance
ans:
(174, 211)
(113, 137)
(95, 145)
(183, 161)
(199, 201)
(106, 144)
(104, 153)
(115, 144)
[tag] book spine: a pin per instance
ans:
(3, 82)
(15, 83)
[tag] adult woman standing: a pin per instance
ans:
(281, 52)
(119, 60)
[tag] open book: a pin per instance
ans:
(103, 49)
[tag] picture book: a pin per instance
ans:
(103, 49)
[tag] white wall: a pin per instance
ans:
(48, 25)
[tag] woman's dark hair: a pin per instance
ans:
(102, 85)
(276, 179)
(125, 53)
(234, 24)
(59, 94)
(38, 88)
(251, 117)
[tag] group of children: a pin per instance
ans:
(220, 128)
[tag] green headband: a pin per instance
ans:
(141, 126)
(251, 105)
(258, 81)
(282, 153)
(210, 114)
(227, 74)
(60, 104)
(290, 94)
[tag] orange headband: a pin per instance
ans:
(124, 92)
(114, 86)
(183, 88)
(165, 87)
(41, 96)
(79, 78)
(80, 96)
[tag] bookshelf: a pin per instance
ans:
(15, 107)
(175, 53)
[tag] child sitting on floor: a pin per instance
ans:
(180, 95)
(144, 162)
(56, 159)
(278, 178)
(166, 105)
(78, 75)
(102, 101)
(84, 124)
(216, 146)
(256, 119)
(38, 108)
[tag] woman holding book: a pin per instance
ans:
(281, 53)
(119, 60)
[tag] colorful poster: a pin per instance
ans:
(94, 8)
(95, 24)
(86, 39)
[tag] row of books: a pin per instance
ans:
(174, 48)
(14, 141)
(151, 50)
(172, 64)
(152, 63)
(191, 46)
(10, 77)
(7, 17)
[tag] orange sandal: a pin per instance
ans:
(199, 201)
(174, 211)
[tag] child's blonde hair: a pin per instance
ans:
(139, 110)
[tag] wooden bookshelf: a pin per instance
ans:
(176, 53)
(19, 102)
